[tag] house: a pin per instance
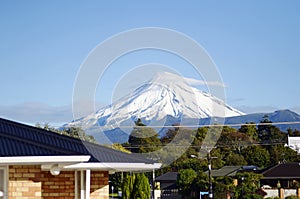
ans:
(36, 163)
(168, 186)
(282, 180)
(294, 143)
(287, 174)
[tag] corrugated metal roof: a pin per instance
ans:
(18, 139)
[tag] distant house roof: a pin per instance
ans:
(231, 170)
(18, 139)
(226, 171)
(168, 180)
(283, 171)
(170, 176)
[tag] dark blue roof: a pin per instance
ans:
(169, 176)
(18, 139)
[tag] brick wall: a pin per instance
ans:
(61, 186)
(99, 185)
(30, 182)
(24, 182)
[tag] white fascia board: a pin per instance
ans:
(114, 166)
(44, 159)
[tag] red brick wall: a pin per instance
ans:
(30, 182)
(61, 186)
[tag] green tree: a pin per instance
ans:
(264, 129)
(279, 153)
(127, 186)
(170, 134)
(190, 163)
(256, 155)
(201, 182)
(201, 133)
(269, 133)
(135, 186)
(223, 186)
(119, 147)
(178, 148)
(253, 196)
(199, 137)
(46, 126)
(212, 135)
(248, 185)
(75, 132)
(250, 130)
(217, 158)
(294, 132)
(143, 139)
(185, 180)
(234, 159)
(228, 129)
(235, 141)
(141, 188)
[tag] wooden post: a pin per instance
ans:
(281, 193)
(227, 194)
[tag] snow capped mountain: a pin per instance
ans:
(167, 94)
(166, 100)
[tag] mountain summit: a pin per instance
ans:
(166, 95)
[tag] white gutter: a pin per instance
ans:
(44, 159)
(80, 162)
(114, 166)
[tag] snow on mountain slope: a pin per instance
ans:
(166, 94)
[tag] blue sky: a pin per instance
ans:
(255, 44)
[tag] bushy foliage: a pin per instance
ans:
(119, 147)
(75, 132)
(235, 159)
(185, 179)
(257, 155)
(143, 139)
(136, 186)
(223, 186)
(249, 183)
(291, 197)
(141, 186)
(260, 145)
(252, 196)
(127, 186)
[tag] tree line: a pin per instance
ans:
(262, 145)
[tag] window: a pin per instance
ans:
(3, 182)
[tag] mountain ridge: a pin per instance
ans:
(165, 94)
(166, 100)
(121, 135)
(118, 135)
